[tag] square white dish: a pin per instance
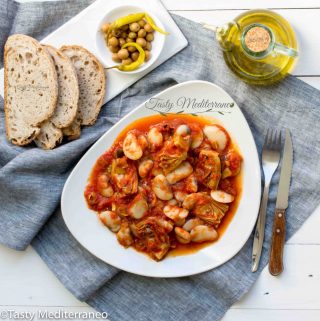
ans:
(81, 30)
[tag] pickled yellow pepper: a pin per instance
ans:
(127, 20)
(153, 25)
(134, 17)
(134, 65)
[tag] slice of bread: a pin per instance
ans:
(73, 131)
(30, 88)
(92, 83)
(51, 135)
(67, 104)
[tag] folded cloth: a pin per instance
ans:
(31, 179)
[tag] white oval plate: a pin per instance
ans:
(198, 97)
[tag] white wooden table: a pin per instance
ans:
(26, 284)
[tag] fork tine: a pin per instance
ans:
(267, 139)
(279, 141)
(271, 141)
(274, 138)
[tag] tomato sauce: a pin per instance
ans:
(232, 185)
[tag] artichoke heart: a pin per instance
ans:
(152, 238)
(211, 212)
(208, 169)
(170, 157)
(124, 175)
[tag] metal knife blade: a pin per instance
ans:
(285, 175)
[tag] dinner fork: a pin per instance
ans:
(270, 161)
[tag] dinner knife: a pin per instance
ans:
(279, 223)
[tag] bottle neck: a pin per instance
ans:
(257, 40)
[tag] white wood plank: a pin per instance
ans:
(236, 4)
(22, 279)
(312, 81)
(274, 315)
(305, 22)
(296, 288)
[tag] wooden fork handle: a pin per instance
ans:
(277, 242)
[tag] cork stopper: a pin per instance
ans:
(257, 39)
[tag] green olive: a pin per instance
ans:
(127, 61)
(129, 40)
(121, 42)
(115, 32)
(148, 55)
(132, 49)
(124, 35)
(149, 46)
(142, 33)
(113, 42)
(113, 49)
(141, 23)
(142, 42)
(135, 56)
(150, 37)
(132, 35)
(134, 27)
(105, 27)
(115, 57)
(125, 27)
(148, 28)
(123, 54)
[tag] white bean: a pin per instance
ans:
(216, 136)
(196, 138)
(155, 137)
(181, 137)
(145, 167)
(131, 147)
(168, 226)
(190, 224)
(138, 207)
(104, 187)
(221, 196)
(143, 142)
(111, 220)
(181, 172)
(182, 130)
(161, 188)
(124, 235)
(203, 233)
(182, 235)
(175, 213)
(180, 196)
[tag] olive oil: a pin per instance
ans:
(259, 46)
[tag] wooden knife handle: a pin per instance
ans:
(277, 243)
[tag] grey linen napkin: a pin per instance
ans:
(31, 179)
